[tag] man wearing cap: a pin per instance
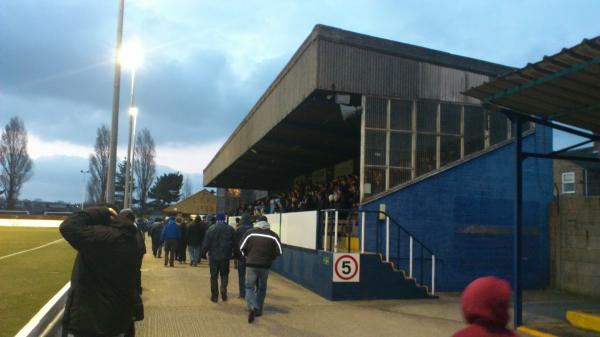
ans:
(260, 246)
(218, 242)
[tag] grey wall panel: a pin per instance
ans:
(352, 69)
(292, 86)
(446, 84)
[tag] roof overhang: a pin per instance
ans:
(329, 61)
(563, 88)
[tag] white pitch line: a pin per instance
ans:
(29, 250)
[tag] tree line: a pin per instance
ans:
(163, 190)
(149, 191)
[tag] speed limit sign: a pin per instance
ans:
(346, 267)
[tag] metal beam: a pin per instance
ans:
(550, 77)
(517, 291)
(572, 147)
(553, 156)
(552, 125)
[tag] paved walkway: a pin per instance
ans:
(177, 303)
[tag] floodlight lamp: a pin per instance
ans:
(131, 55)
(133, 111)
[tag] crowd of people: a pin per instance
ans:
(106, 284)
(340, 193)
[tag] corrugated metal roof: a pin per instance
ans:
(564, 87)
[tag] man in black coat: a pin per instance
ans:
(218, 242)
(195, 236)
(103, 283)
(244, 225)
(155, 232)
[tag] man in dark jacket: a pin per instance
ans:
(155, 232)
(182, 242)
(170, 234)
(244, 225)
(195, 236)
(218, 242)
(103, 282)
(260, 246)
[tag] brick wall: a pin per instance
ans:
(576, 244)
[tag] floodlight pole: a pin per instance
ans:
(128, 163)
(112, 161)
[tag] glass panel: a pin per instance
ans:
(426, 116)
(374, 147)
(400, 149)
(474, 129)
(376, 113)
(449, 149)
(425, 154)
(450, 118)
(399, 176)
(374, 180)
(498, 127)
(401, 115)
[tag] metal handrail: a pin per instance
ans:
(401, 230)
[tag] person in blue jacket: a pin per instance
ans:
(170, 234)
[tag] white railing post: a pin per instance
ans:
(362, 234)
(432, 274)
(326, 229)
(387, 239)
(410, 257)
(335, 233)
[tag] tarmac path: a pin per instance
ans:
(177, 304)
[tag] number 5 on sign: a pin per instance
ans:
(346, 267)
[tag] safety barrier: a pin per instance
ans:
(345, 225)
(47, 322)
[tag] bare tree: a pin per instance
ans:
(14, 161)
(98, 166)
(187, 187)
(144, 166)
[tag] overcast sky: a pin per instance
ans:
(207, 63)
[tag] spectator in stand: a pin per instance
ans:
(218, 242)
(485, 307)
(102, 298)
(155, 232)
(244, 225)
(169, 236)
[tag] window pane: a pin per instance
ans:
(426, 116)
(450, 118)
(474, 127)
(374, 147)
(374, 180)
(376, 111)
(449, 149)
(401, 115)
(400, 149)
(399, 176)
(593, 182)
(425, 153)
(498, 127)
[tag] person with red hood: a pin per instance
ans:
(485, 307)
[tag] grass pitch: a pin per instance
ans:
(29, 280)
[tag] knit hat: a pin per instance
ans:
(220, 216)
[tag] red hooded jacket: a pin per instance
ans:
(485, 307)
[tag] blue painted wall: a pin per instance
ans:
(314, 270)
(479, 193)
